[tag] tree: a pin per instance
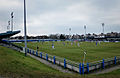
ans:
(62, 36)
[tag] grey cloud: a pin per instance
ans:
(56, 16)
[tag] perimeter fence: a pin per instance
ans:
(75, 66)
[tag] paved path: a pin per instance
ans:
(51, 64)
(107, 70)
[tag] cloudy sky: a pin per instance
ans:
(46, 17)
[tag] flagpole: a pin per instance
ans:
(25, 28)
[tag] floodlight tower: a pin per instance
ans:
(69, 33)
(25, 37)
(11, 21)
(103, 27)
(85, 31)
(8, 27)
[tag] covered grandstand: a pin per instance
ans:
(8, 34)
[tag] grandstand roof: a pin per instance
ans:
(8, 34)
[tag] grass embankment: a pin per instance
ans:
(15, 65)
(75, 52)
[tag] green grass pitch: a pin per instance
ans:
(76, 53)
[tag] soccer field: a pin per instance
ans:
(75, 51)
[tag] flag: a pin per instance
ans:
(12, 15)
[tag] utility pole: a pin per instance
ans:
(25, 37)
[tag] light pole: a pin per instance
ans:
(25, 37)
(8, 27)
(69, 33)
(11, 21)
(84, 57)
(103, 27)
(85, 31)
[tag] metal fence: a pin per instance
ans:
(74, 66)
